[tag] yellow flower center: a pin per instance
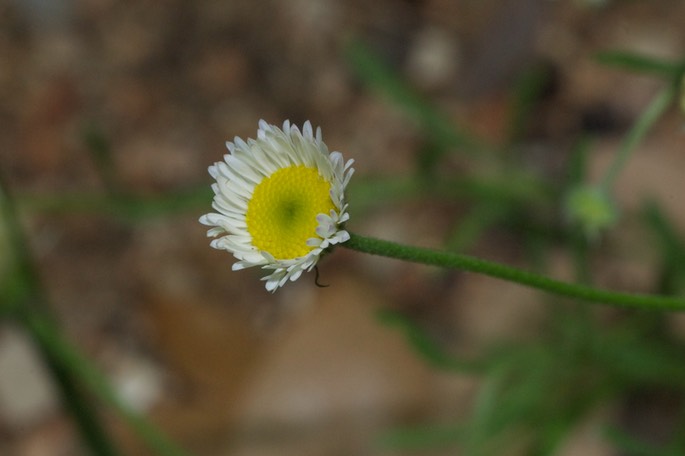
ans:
(281, 214)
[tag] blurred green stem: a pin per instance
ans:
(648, 118)
(70, 370)
(73, 398)
(26, 302)
(99, 148)
(66, 355)
(467, 263)
(371, 69)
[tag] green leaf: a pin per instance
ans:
(442, 131)
(671, 245)
(421, 438)
(128, 207)
(641, 63)
(426, 347)
(631, 446)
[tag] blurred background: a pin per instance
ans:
(465, 120)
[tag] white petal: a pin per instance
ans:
(245, 166)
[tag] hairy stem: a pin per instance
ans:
(467, 263)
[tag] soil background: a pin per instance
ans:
(220, 364)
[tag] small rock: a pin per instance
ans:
(433, 58)
(26, 393)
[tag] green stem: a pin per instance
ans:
(500, 271)
(71, 371)
(74, 399)
(63, 353)
(27, 301)
(648, 118)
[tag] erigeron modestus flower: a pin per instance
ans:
(280, 201)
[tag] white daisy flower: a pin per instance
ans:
(280, 201)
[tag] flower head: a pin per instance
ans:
(592, 209)
(280, 201)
